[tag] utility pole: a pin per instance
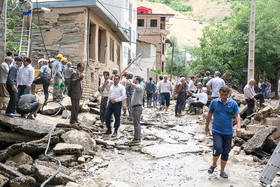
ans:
(3, 13)
(251, 59)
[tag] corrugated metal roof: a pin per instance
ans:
(95, 6)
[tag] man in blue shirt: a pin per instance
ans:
(223, 109)
(264, 88)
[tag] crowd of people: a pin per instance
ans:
(127, 94)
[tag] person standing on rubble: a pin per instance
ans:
(124, 101)
(115, 98)
(136, 103)
(129, 92)
(12, 87)
(150, 88)
(104, 89)
(223, 109)
(45, 78)
(180, 94)
(251, 97)
(4, 70)
(165, 88)
(75, 92)
(216, 83)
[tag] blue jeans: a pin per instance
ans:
(155, 98)
(268, 94)
(149, 98)
(221, 145)
(165, 97)
(116, 110)
(22, 90)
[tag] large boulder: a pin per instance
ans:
(68, 149)
(81, 138)
(25, 181)
(256, 143)
(26, 127)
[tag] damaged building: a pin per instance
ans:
(83, 31)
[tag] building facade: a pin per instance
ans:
(152, 28)
(126, 12)
(82, 31)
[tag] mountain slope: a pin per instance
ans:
(187, 27)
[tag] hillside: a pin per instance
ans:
(187, 27)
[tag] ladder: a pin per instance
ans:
(25, 38)
(271, 168)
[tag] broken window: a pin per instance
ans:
(153, 23)
(140, 22)
(111, 49)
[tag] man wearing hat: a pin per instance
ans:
(25, 77)
(12, 87)
(45, 77)
(58, 75)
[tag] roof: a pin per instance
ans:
(94, 5)
(148, 11)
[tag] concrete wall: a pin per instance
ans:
(3, 33)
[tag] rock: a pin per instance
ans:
(25, 169)
(270, 145)
(243, 109)
(72, 184)
(238, 97)
(238, 141)
(263, 113)
(66, 160)
(65, 149)
(254, 128)
(9, 172)
(273, 121)
(93, 105)
(84, 108)
(81, 138)
(21, 158)
(94, 111)
(25, 181)
(245, 122)
(43, 173)
(235, 150)
(53, 107)
(256, 143)
(66, 114)
(246, 135)
(81, 160)
(35, 147)
(88, 119)
(3, 181)
(11, 137)
(26, 127)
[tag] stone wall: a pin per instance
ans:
(2, 33)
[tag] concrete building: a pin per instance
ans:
(152, 28)
(83, 31)
(147, 60)
(125, 11)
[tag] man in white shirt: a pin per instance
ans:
(4, 70)
(115, 98)
(191, 85)
(251, 97)
(216, 83)
(200, 100)
(105, 86)
(165, 88)
(25, 77)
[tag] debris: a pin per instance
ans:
(9, 172)
(81, 160)
(66, 114)
(65, 148)
(21, 158)
(25, 181)
(11, 137)
(3, 180)
(256, 143)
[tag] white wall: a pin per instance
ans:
(122, 9)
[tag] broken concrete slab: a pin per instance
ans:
(11, 137)
(165, 150)
(25, 181)
(26, 127)
(66, 160)
(9, 172)
(81, 138)
(25, 169)
(246, 135)
(34, 147)
(256, 143)
(273, 121)
(4, 181)
(43, 173)
(263, 113)
(65, 149)
(21, 158)
(254, 128)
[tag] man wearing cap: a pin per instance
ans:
(216, 83)
(4, 70)
(58, 75)
(25, 77)
(12, 87)
(44, 77)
